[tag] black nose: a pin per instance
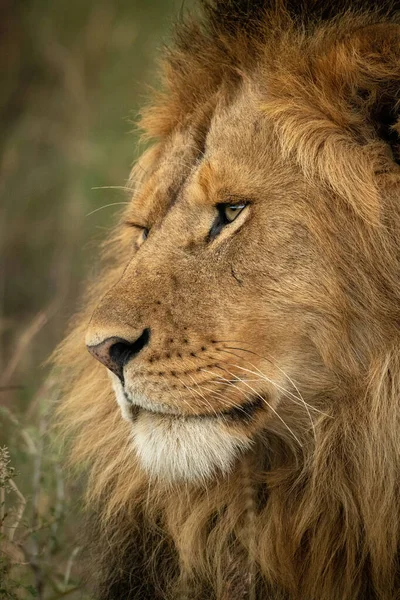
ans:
(115, 352)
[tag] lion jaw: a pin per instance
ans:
(175, 449)
(178, 449)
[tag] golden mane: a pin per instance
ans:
(316, 521)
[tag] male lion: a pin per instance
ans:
(248, 315)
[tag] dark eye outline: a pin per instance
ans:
(144, 234)
(222, 219)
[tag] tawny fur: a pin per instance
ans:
(299, 110)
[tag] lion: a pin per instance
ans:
(240, 425)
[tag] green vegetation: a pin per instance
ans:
(73, 77)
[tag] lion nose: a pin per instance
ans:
(115, 352)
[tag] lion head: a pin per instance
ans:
(248, 316)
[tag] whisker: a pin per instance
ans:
(113, 187)
(287, 392)
(105, 206)
(272, 362)
(228, 405)
(193, 391)
(207, 403)
(272, 408)
(176, 398)
(224, 402)
(262, 398)
(300, 397)
(306, 405)
(263, 376)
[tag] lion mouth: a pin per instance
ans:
(242, 412)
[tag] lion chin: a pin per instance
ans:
(174, 448)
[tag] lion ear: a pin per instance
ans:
(366, 70)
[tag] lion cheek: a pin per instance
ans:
(176, 450)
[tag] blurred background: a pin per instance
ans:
(74, 74)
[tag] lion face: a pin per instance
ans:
(202, 332)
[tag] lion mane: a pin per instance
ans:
(306, 505)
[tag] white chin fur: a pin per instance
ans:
(178, 449)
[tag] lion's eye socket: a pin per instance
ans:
(143, 236)
(227, 213)
(231, 211)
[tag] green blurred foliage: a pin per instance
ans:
(74, 74)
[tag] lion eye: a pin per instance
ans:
(231, 211)
(227, 213)
(143, 236)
